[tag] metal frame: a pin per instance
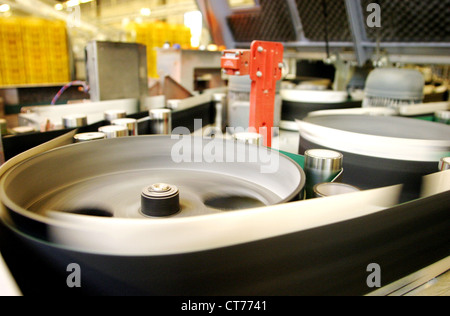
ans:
(360, 50)
(355, 19)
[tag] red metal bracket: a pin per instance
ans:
(264, 63)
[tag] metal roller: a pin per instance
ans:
(130, 123)
(321, 166)
(161, 121)
(87, 137)
(160, 200)
(444, 164)
(332, 189)
(249, 138)
(114, 131)
(75, 120)
(112, 115)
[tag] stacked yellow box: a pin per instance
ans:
(155, 35)
(33, 51)
(12, 67)
(181, 35)
(58, 52)
(36, 50)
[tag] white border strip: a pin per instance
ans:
(8, 286)
(374, 146)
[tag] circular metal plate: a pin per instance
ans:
(385, 137)
(397, 127)
(107, 177)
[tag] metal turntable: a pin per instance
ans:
(111, 175)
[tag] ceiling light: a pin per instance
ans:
(4, 8)
(194, 21)
(59, 6)
(72, 3)
(146, 11)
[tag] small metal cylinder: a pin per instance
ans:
(160, 200)
(444, 164)
(87, 137)
(220, 103)
(114, 131)
(20, 130)
(332, 189)
(321, 166)
(249, 138)
(442, 117)
(75, 120)
(161, 121)
(173, 104)
(129, 123)
(112, 115)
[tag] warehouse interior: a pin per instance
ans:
(224, 148)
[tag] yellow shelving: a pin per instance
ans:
(33, 51)
(155, 35)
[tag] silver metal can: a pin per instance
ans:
(130, 123)
(112, 115)
(161, 121)
(249, 138)
(114, 131)
(321, 165)
(87, 137)
(444, 164)
(75, 120)
(333, 188)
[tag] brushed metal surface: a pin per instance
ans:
(109, 175)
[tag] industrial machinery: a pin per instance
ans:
(146, 194)
(264, 63)
(129, 213)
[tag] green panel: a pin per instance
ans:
(297, 158)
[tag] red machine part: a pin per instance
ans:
(264, 63)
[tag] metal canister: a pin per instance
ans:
(87, 137)
(20, 130)
(442, 117)
(249, 138)
(321, 166)
(161, 121)
(74, 121)
(173, 104)
(114, 131)
(220, 104)
(112, 115)
(444, 164)
(332, 189)
(129, 123)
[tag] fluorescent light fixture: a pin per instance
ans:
(146, 11)
(4, 8)
(72, 3)
(194, 21)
